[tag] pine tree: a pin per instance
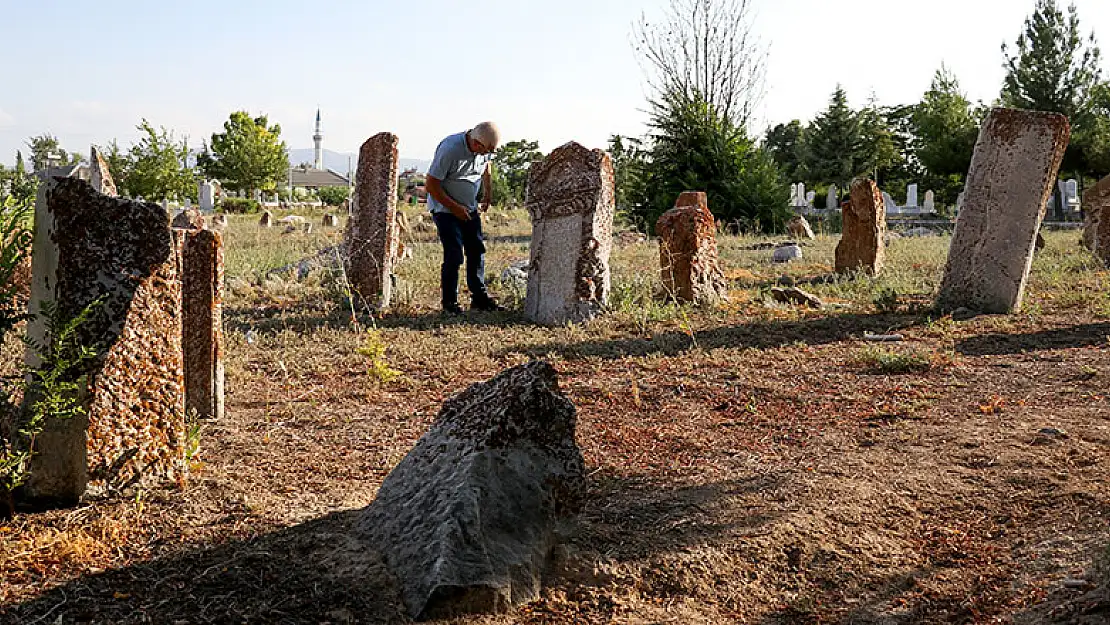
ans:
(945, 127)
(834, 144)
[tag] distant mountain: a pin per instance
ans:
(338, 161)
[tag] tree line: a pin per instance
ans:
(249, 155)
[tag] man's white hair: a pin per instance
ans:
(487, 134)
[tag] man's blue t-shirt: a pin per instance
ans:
(460, 172)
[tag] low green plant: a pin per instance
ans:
(54, 388)
(887, 300)
(15, 245)
(373, 348)
(239, 205)
(895, 362)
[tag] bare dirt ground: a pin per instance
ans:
(754, 464)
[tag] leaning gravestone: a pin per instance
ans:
(688, 262)
(1011, 178)
(467, 521)
(862, 245)
(100, 176)
(202, 288)
(91, 247)
(570, 200)
(371, 235)
(1095, 201)
(799, 228)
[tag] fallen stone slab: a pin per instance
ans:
(794, 295)
(467, 520)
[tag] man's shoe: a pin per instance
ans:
(452, 309)
(487, 304)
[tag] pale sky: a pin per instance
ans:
(550, 71)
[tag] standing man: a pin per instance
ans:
(458, 172)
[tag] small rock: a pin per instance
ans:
(963, 314)
(794, 295)
(516, 275)
(1078, 584)
(1053, 432)
(787, 254)
(785, 280)
(919, 232)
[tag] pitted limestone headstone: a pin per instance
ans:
(468, 519)
(202, 287)
(1096, 201)
(100, 176)
(91, 247)
(371, 234)
(1011, 178)
(862, 245)
(570, 200)
(688, 262)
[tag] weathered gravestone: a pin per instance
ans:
(100, 176)
(799, 228)
(206, 195)
(202, 288)
(189, 219)
(570, 200)
(1011, 178)
(219, 221)
(1096, 236)
(88, 248)
(330, 220)
(468, 519)
(266, 220)
(862, 244)
(371, 234)
(688, 262)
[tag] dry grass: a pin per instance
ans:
(748, 463)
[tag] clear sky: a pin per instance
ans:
(551, 71)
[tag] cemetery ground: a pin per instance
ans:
(757, 462)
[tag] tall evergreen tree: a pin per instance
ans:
(945, 127)
(1055, 68)
(835, 143)
(785, 145)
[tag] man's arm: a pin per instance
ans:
(487, 188)
(434, 187)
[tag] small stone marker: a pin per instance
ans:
(202, 287)
(1011, 178)
(911, 196)
(570, 199)
(862, 245)
(266, 220)
(688, 262)
(330, 220)
(371, 235)
(467, 520)
(787, 253)
(89, 246)
(930, 202)
(799, 228)
(100, 176)
(219, 221)
(189, 219)
(206, 195)
(1096, 201)
(831, 198)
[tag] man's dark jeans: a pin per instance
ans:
(459, 238)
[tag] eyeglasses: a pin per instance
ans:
(481, 147)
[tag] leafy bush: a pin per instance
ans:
(239, 205)
(895, 362)
(334, 196)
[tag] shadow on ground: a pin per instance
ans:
(309, 573)
(1086, 335)
(758, 335)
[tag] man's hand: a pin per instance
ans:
(435, 189)
(487, 188)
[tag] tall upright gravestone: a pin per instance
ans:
(862, 246)
(121, 258)
(1096, 225)
(570, 200)
(371, 235)
(100, 176)
(688, 262)
(202, 278)
(1010, 181)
